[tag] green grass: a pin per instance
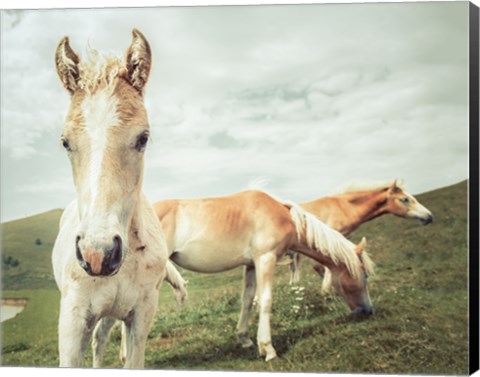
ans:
(419, 292)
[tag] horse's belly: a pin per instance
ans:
(209, 260)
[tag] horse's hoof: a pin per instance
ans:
(268, 351)
(245, 341)
(271, 357)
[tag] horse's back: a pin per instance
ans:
(237, 219)
(273, 212)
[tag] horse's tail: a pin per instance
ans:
(325, 240)
(179, 285)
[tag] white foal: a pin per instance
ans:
(110, 254)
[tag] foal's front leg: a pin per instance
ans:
(265, 267)
(137, 325)
(74, 331)
(248, 294)
(100, 339)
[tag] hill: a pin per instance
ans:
(449, 206)
(419, 292)
(30, 242)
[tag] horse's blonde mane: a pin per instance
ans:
(328, 241)
(100, 70)
(369, 186)
(258, 184)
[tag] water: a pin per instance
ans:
(9, 311)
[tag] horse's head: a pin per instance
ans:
(105, 134)
(353, 286)
(401, 204)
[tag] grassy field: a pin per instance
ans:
(419, 292)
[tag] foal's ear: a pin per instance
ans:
(138, 60)
(66, 62)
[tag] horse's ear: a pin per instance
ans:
(360, 248)
(138, 60)
(395, 187)
(66, 63)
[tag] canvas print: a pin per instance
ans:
(237, 188)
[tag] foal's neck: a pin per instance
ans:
(136, 227)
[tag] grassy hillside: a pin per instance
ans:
(19, 241)
(419, 292)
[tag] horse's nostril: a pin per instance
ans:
(361, 311)
(427, 220)
(368, 311)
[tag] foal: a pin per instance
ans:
(109, 256)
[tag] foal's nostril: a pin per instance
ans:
(85, 265)
(78, 252)
(115, 258)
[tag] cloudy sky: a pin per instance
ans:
(305, 97)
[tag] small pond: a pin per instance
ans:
(10, 307)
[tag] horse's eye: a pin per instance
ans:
(65, 143)
(405, 200)
(142, 141)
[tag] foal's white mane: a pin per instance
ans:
(369, 186)
(328, 241)
(100, 70)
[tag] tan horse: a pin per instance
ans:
(254, 230)
(109, 257)
(356, 205)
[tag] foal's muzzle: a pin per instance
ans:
(100, 261)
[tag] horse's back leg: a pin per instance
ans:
(100, 339)
(295, 269)
(327, 280)
(265, 267)
(248, 294)
(178, 284)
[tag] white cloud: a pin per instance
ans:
(308, 97)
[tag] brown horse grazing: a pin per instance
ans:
(254, 230)
(356, 205)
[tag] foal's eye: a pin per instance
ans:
(65, 143)
(142, 141)
(405, 200)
